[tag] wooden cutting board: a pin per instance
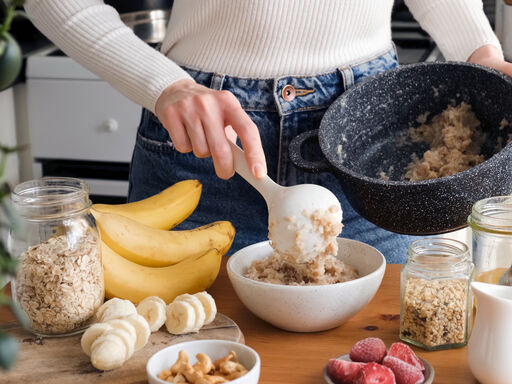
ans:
(61, 360)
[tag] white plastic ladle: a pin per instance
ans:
(291, 229)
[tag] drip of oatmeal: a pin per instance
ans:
(314, 234)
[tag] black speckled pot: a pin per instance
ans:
(359, 137)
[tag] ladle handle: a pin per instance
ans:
(265, 186)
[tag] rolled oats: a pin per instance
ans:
(59, 283)
(434, 312)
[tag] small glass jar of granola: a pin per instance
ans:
(59, 279)
(435, 294)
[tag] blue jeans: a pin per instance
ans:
(156, 164)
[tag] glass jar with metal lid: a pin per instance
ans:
(59, 280)
(434, 294)
(491, 224)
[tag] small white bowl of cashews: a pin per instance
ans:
(209, 352)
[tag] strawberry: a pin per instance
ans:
(405, 373)
(368, 350)
(343, 371)
(373, 373)
(405, 353)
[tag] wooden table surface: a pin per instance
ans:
(299, 358)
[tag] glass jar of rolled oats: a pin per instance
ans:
(491, 225)
(59, 278)
(434, 293)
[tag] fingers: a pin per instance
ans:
(219, 148)
(196, 135)
(248, 132)
(507, 68)
(179, 137)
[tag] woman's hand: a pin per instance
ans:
(198, 120)
(490, 56)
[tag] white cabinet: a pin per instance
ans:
(80, 120)
(78, 125)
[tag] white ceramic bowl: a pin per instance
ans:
(308, 308)
(215, 349)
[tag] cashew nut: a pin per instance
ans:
(230, 367)
(180, 363)
(204, 363)
(164, 374)
(231, 356)
(179, 378)
(236, 375)
(192, 375)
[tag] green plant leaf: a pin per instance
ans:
(16, 224)
(17, 3)
(3, 44)
(9, 350)
(7, 263)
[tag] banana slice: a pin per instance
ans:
(91, 334)
(181, 317)
(125, 326)
(210, 308)
(114, 309)
(198, 308)
(141, 329)
(108, 352)
(129, 343)
(105, 305)
(154, 313)
(154, 298)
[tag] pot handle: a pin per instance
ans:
(295, 154)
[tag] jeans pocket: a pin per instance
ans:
(152, 136)
(155, 145)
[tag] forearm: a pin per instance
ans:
(93, 34)
(459, 27)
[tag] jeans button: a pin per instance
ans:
(288, 93)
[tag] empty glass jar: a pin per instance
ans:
(59, 279)
(491, 224)
(435, 294)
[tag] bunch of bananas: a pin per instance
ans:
(142, 257)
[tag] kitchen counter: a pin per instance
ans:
(298, 358)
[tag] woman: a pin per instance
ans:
(268, 69)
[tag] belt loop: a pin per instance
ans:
(348, 76)
(217, 81)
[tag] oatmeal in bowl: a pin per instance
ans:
(306, 307)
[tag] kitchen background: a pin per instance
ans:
(77, 125)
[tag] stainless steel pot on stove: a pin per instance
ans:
(147, 18)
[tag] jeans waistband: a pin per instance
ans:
(307, 92)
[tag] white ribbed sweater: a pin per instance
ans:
(248, 38)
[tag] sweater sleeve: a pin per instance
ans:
(93, 34)
(459, 27)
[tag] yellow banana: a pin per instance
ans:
(158, 248)
(134, 282)
(164, 210)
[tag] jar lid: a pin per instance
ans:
(439, 254)
(492, 214)
(50, 198)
